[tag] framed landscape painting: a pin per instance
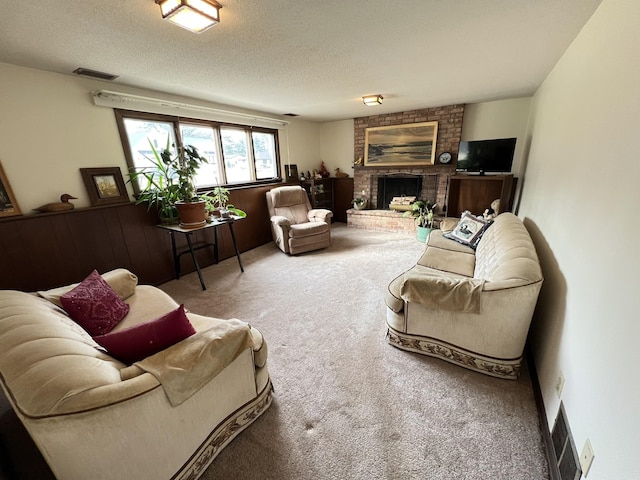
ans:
(401, 145)
(8, 204)
(105, 185)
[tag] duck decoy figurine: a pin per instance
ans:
(340, 174)
(60, 206)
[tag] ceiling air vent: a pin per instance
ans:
(86, 72)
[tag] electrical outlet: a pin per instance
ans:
(559, 385)
(586, 457)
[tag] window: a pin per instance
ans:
(236, 154)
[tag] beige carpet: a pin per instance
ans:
(347, 404)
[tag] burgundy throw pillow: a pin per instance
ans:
(140, 341)
(94, 305)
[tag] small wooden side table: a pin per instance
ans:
(187, 232)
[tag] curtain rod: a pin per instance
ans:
(111, 98)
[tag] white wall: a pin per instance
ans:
(581, 203)
(499, 119)
(50, 128)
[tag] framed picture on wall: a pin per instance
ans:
(104, 185)
(292, 173)
(8, 204)
(401, 145)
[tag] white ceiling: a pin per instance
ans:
(310, 57)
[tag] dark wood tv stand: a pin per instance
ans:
(476, 192)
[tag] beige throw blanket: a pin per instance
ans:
(445, 293)
(184, 368)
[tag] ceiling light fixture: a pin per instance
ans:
(194, 15)
(371, 100)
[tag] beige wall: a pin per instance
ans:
(336, 145)
(304, 145)
(50, 128)
(581, 204)
(499, 119)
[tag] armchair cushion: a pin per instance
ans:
(300, 230)
(94, 305)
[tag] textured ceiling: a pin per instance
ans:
(309, 57)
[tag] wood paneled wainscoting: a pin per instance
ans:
(47, 250)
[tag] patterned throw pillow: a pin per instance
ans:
(469, 230)
(94, 305)
(140, 341)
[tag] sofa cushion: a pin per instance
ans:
(449, 261)
(121, 280)
(437, 239)
(143, 340)
(94, 305)
(469, 229)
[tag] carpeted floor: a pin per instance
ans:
(347, 404)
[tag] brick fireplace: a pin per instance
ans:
(435, 178)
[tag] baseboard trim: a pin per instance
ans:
(554, 471)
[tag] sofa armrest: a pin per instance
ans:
(320, 215)
(442, 292)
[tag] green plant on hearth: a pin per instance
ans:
(218, 200)
(360, 202)
(422, 212)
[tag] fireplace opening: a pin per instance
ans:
(390, 186)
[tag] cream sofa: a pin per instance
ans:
(469, 307)
(93, 417)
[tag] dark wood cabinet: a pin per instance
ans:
(332, 193)
(342, 198)
(476, 192)
(320, 192)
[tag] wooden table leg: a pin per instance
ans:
(195, 261)
(235, 245)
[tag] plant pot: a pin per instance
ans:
(423, 234)
(169, 216)
(360, 205)
(192, 214)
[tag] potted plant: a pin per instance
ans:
(191, 207)
(360, 203)
(170, 184)
(158, 187)
(217, 201)
(423, 213)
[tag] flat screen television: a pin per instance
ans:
(486, 156)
